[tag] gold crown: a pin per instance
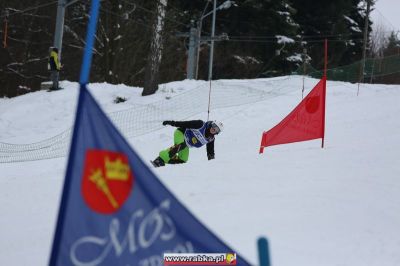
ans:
(116, 170)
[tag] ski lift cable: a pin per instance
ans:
(134, 21)
(394, 28)
(298, 35)
(29, 9)
(274, 41)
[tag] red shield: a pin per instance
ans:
(107, 180)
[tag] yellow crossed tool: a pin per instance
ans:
(101, 183)
(115, 170)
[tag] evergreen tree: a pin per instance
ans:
(266, 38)
(341, 22)
(393, 45)
(23, 63)
(256, 30)
(355, 20)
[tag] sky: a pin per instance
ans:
(333, 206)
(387, 13)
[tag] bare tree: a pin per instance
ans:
(155, 54)
(378, 40)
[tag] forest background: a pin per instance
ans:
(255, 39)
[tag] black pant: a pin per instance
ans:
(54, 75)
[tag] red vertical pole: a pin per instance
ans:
(5, 33)
(324, 93)
(326, 57)
(323, 112)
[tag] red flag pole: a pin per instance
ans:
(324, 93)
(5, 33)
(262, 144)
(326, 57)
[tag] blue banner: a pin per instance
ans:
(114, 210)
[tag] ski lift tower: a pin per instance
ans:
(227, 4)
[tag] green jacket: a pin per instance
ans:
(54, 64)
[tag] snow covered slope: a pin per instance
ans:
(318, 207)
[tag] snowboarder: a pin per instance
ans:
(194, 133)
(54, 66)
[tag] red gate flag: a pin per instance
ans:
(305, 122)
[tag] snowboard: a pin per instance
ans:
(154, 164)
(50, 90)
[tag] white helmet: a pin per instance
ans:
(218, 126)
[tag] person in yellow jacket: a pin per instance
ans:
(54, 67)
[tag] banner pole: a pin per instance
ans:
(263, 252)
(84, 78)
(90, 39)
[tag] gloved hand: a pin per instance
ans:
(211, 156)
(167, 123)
